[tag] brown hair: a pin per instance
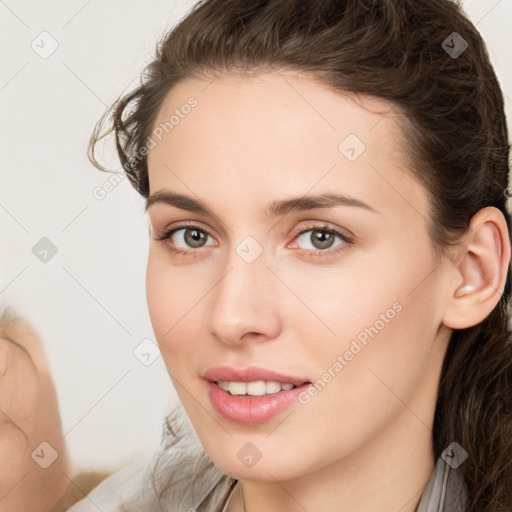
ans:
(453, 116)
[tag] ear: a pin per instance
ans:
(479, 267)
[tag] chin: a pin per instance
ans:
(239, 465)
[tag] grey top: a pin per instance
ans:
(135, 487)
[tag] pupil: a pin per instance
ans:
(321, 239)
(193, 236)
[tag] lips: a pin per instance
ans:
(250, 374)
(251, 410)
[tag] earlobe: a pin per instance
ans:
(480, 272)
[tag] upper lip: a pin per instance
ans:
(249, 374)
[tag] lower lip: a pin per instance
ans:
(247, 410)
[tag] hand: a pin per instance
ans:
(29, 416)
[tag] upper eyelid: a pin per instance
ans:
(323, 227)
(339, 232)
(320, 228)
(174, 226)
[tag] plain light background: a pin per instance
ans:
(88, 299)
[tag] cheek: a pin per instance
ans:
(159, 296)
(363, 385)
(365, 293)
(379, 316)
(166, 298)
(337, 303)
(174, 296)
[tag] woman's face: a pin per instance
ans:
(303, 252)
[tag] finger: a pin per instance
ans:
(24, 337)
(20, 385)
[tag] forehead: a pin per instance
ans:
(280, 130)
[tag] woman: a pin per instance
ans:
(328, 275)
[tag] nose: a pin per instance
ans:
(245, 303)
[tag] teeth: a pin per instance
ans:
(272, 387)
(257, 388)
(237, 388)
(223, 384)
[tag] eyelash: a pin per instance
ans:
(347, 240)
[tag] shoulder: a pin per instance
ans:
(178, 478)
(116, 489)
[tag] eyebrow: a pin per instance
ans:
(274, 209)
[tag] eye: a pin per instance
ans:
(321, 238)
(191, 237)
(318, 239)
(186, 237)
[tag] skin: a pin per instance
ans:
(29, 415)
(365, 441)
